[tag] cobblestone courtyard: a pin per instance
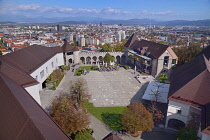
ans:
(115, 88)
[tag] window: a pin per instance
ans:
(46, 70)
(165, 62)
(56, 60)
(52, 64)
(42, 73)
(173, 61)
(179, 111)
(69, 53)
(148, 62)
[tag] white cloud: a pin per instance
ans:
(109, 10)
(35, 10)
(161, 13)
(127, 12)
(28, 7)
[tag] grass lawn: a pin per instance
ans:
(91, 68)
(81, 69)
(111, 116)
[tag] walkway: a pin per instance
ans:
(47, 96)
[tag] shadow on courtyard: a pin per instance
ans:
(140, 93)
(112, 120)
(158, 135)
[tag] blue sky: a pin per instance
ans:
(108, 9)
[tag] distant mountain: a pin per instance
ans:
(188, 23)
(132, 21)
(71, 22)
(84, 20)
(7, 22)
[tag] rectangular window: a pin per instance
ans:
(173, 61)
(56, 60)
(42, 73)
(69, 53)
(52, 64)
(148, 62)
(46, 70)
(165, 62)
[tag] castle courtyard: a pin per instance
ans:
(114, 88)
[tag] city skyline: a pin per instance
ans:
(107, 9)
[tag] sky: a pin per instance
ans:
(108, 9)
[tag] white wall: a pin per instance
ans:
(161, 60)
(172, 112)
(47, 68)
(205, 137)
(34, 92)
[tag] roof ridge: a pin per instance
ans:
(195, 95)
(29, 116)
(207, 62)
(16, 69)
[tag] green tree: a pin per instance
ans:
(161, 42)
(108, 58)
(55, 77)
(79, 91)
(136, 118)
(187, 133)
(107, 48)
(163, 78)
(1, 53)
(68, 115)
(186, 54)
(83, 135)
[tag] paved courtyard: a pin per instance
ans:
(115, 88)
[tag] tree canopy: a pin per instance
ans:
(185, 54)
(79, 91)
(187, 133)
(108, 58)
(136, 118)
(107, 48)
(69, 117)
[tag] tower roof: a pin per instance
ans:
(131, 40)
(66, 47)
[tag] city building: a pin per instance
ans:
(189, 96)
(59, 28)
(71, 37)
(150, 57)
(120, 35)
(82, 42)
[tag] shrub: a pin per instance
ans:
(187, 133)
(65, 67)
(83, 135)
